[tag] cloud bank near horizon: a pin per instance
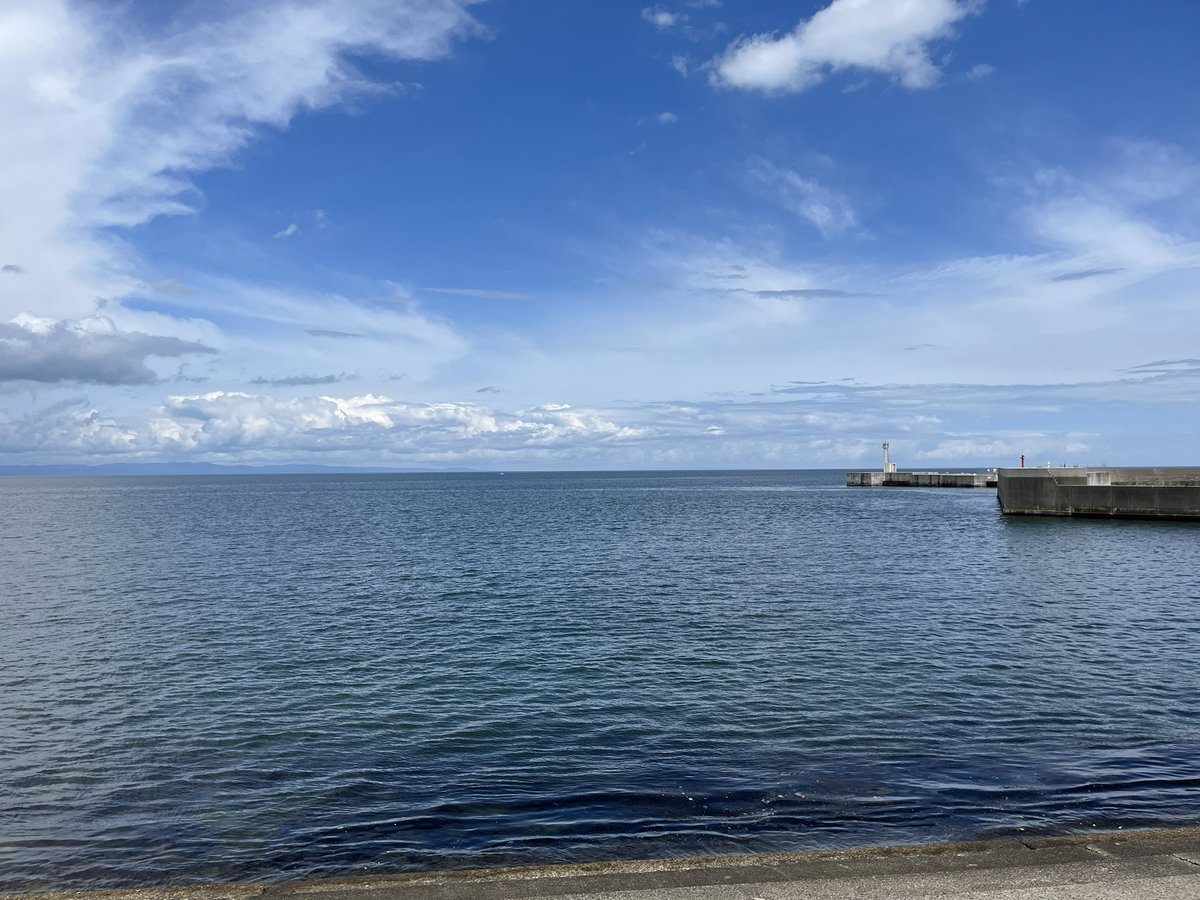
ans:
(801, 424)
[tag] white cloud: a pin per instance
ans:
(661, 18)
(662, 118)
(829, 211)
(291, 231)
(1106, 234)
(1143, 172)
(981, 70)
(276, 333)
(222, 424)
(799, 425)
(106, 118)
(1133, 211)
(891, 37)
(481, 293)
(1110, 252)
(91, 350)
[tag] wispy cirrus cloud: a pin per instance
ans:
(480, 293)
(1082, 274)
(1114, 277)
(803, 294)
(828, 210)
(267, 325)
(109, 116)
(331, 333)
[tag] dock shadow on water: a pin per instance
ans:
(279, 677)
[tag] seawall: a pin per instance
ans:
(1131, 493)
(921, 479)
(1162, 864)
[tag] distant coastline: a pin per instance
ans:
(210, 469)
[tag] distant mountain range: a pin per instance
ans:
(206, 469)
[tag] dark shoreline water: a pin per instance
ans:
(233, 678)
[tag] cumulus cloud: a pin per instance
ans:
(803, 423)
(223, 424)
(89, 350)
(365, 429)
(291, 231)
(892, 37)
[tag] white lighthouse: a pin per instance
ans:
(888, 466)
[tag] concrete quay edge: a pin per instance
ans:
(1152, 863)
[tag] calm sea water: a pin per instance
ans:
(216, 678)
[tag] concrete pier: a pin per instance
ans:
(889, 477)
(921, 479)
(1162, 864)
(1127, 493)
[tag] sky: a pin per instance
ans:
(529, 234)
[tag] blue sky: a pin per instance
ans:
(537, 234)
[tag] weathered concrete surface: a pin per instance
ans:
(921, 479)
(1130, 493)
(1116, 866)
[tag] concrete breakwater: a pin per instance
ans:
(889, 477)
(921, 479)
(1132, 493)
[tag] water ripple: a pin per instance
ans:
(255, 678)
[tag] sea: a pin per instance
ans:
(258, 678)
